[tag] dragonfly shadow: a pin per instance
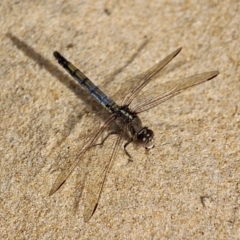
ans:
(66, 80)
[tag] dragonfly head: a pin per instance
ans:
(145, 136)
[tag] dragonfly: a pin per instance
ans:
(123, 114)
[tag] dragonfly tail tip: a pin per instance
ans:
(56, 54)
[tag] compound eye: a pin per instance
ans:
(145, 136)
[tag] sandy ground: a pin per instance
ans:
(187, 187)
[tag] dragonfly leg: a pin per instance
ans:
(125, 149)
(102, 142)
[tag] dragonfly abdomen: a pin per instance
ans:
(106, 102)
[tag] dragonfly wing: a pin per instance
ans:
(101, 165)
(171, 89)
(62, 177)
(138, 82)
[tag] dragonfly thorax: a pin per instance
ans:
(132, 126)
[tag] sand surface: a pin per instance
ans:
(187, 187)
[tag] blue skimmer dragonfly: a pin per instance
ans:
(124, 117)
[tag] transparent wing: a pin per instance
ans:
(171, 89)
(97, 176)
(89, 144)
(138, 82)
